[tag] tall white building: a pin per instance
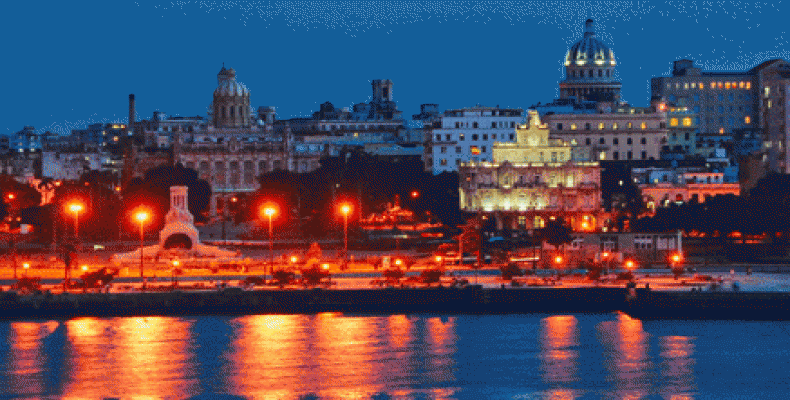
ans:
(469, 134)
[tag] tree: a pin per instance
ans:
(510, 270)
(283, 277)
(314, 275)
(556, 233)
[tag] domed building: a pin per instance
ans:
(589, 70)
(231, 105)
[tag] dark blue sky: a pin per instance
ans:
(70, 63)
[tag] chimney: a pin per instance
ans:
(130, 125)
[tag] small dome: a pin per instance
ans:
(589, 50)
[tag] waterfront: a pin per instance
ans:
(332, 356)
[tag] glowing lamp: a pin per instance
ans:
(438, 259)
(558, 260)
(345, 209)
(26, 265)
(269, 211)
(84, 268)
(11, 196)
(141, 216)
(629, 264)
(325, 266)
(176, 263)
(415, 194)
(294, 259)
(398, 262)
(676, 257)
(75, 207)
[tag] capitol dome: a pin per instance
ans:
(589, 50)
(227, 84)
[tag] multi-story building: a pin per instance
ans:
(534, 179)
(728, 101)
(71, 166)
(681, 131)
(469, 134)
(627, 133)
(26, 141)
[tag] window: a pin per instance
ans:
(559, 127)
(493, 136)
(573, 127)
(457, 161)
(720, 85)
(694, 85)
(587, 126)
(630, 125)
(443, 149)
(687, 121)
(601, 141)
(616, 141)
(443, 162)
(512, 124)
(461, 136)
(448, 137)
(493, 124)
(614, 126)
(685, 85)
(644, 155)
(457, 149)
(485, 136)
(553, 156)
(630, 155)
(457, 125)
(483, 149)
(600, 73)
(474, 137)
(438, 138)
(726, 85)
(512, 136)
(686, 136)
(474, 150)
(474, 125)
(616, 155)
(673, 122)
(629, 141)
(587, 141)
(644, 140)
(747, 119)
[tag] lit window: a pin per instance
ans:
(600, 126)
(474, 150)
(693, 85)
(748, 85)
(673, 122)
(701, 85)
(630, 125)
(767, 91)
(687, 121)
(721, 131)
(747, 119)
(614, 126)
(685, 85)
(721, 85)
(741, 84)
(726, 85)
(573, 127)
(644, 125)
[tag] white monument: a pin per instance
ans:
(179, 239)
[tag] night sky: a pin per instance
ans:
(70, 63)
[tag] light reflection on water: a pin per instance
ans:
(336, 356)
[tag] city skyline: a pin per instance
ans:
(80, 67)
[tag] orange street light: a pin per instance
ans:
(76, 208)
(558, 260)
(294, 259)
(415, 194)
(84, 268)
(676, 258)
(629, 264)
(141, 217)
(11, 196)
(345, 209)
(269, 212)
(438, 259)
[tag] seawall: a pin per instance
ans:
(389, 300)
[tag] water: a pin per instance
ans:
(336, 356)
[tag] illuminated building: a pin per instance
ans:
(626, 133)
(532, 180)
(590, 69)
(736, 100)
(469, 134)
(661, 187)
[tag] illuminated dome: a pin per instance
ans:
(589, 50)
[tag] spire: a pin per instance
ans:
(589, 28)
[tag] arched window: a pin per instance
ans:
(590, 73)
(608, 73)
(232, 112)
(224, 114)
(600, 73)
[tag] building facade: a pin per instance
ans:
(532, 180)
(627, 133)
(662, 186)
(469, 134)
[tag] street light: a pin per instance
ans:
(269, 212)
(141, 217)
(345, 209)
(76, 208)
(26, 266)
